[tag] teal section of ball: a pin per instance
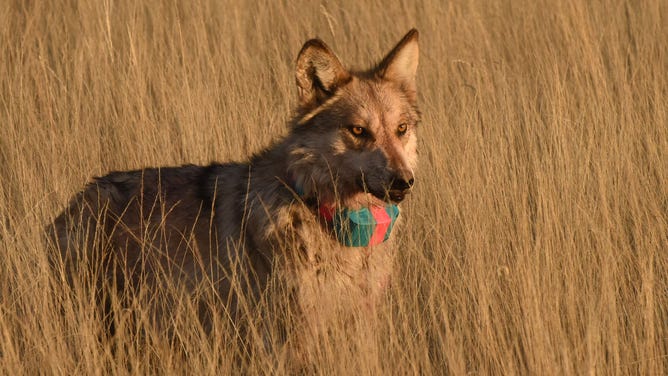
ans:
(354, 228)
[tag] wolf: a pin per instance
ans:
(289, 213)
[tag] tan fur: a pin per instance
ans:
(195, 224)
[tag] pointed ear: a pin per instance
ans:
(319, 73)
(400, 65)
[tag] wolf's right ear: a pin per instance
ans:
(400, 65)
(319, 73)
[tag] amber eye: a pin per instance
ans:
(357, 131)
(402, 128)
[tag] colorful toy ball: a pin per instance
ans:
(366, 226)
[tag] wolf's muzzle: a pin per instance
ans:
(399, 187)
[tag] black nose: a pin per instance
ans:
(401, 184)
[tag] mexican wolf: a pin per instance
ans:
(315, 211)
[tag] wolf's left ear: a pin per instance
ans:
(400, 65)
(319, 73)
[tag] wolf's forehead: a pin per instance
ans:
(378, 98)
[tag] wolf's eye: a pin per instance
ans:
(402, 128)
(357, 131)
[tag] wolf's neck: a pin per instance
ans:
(270, 169)
(291, 164)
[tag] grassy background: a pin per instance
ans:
(537, 237)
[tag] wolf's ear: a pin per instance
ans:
(400, 65)
(319, 73)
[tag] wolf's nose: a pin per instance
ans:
(401, 184)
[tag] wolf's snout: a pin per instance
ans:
(400, 186)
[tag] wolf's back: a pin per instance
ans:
(141, 211)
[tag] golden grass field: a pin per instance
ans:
(537, 236)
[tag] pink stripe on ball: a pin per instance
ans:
(383, 222)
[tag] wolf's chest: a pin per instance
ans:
(339, 275)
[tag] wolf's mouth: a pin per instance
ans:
(397, 195)
(386, 195)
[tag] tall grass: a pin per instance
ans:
(537, 236)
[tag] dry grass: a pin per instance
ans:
(537, 240)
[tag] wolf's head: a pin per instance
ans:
(355, 134)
